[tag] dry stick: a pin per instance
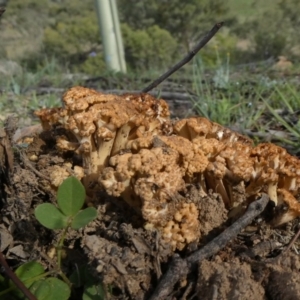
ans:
(180, 267)
(292, 242)
(19, 284)
(186, 59)
(28, 164)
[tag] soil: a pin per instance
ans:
(128, 259)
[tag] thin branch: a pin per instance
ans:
(291, 243)
(28, 164)
(181, 267)
(186, 59)
(254, 209)
(19, 284)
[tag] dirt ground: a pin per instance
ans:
(122, 254)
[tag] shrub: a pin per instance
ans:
(72, 32)
(184, 20)
(153, 48)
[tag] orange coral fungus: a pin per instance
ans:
(131, 148)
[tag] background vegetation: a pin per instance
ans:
(48, 45)
(155, 32)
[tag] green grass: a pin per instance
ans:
(260, 102)
(18, 92)
(223, 100)
(250, 8)
(263, 104)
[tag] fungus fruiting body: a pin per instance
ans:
(131, 148)
(99, 125)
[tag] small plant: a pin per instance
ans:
(216, 98)
(68, 214)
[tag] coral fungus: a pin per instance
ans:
(131, 148)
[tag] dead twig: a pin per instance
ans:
(261, 249)
(19, 284)
(28, 164)
(187, 292)
(186, 59)
(291, 243)
(181, 267)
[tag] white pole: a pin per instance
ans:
(116, 21)
(108, 35)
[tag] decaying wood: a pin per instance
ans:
(6, 162)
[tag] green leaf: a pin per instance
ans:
(84, 217)
(50, 216)
(29, 270)
(26, 273)
(41, 289)
(93, 292)
(51, 289)
(71, 196)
